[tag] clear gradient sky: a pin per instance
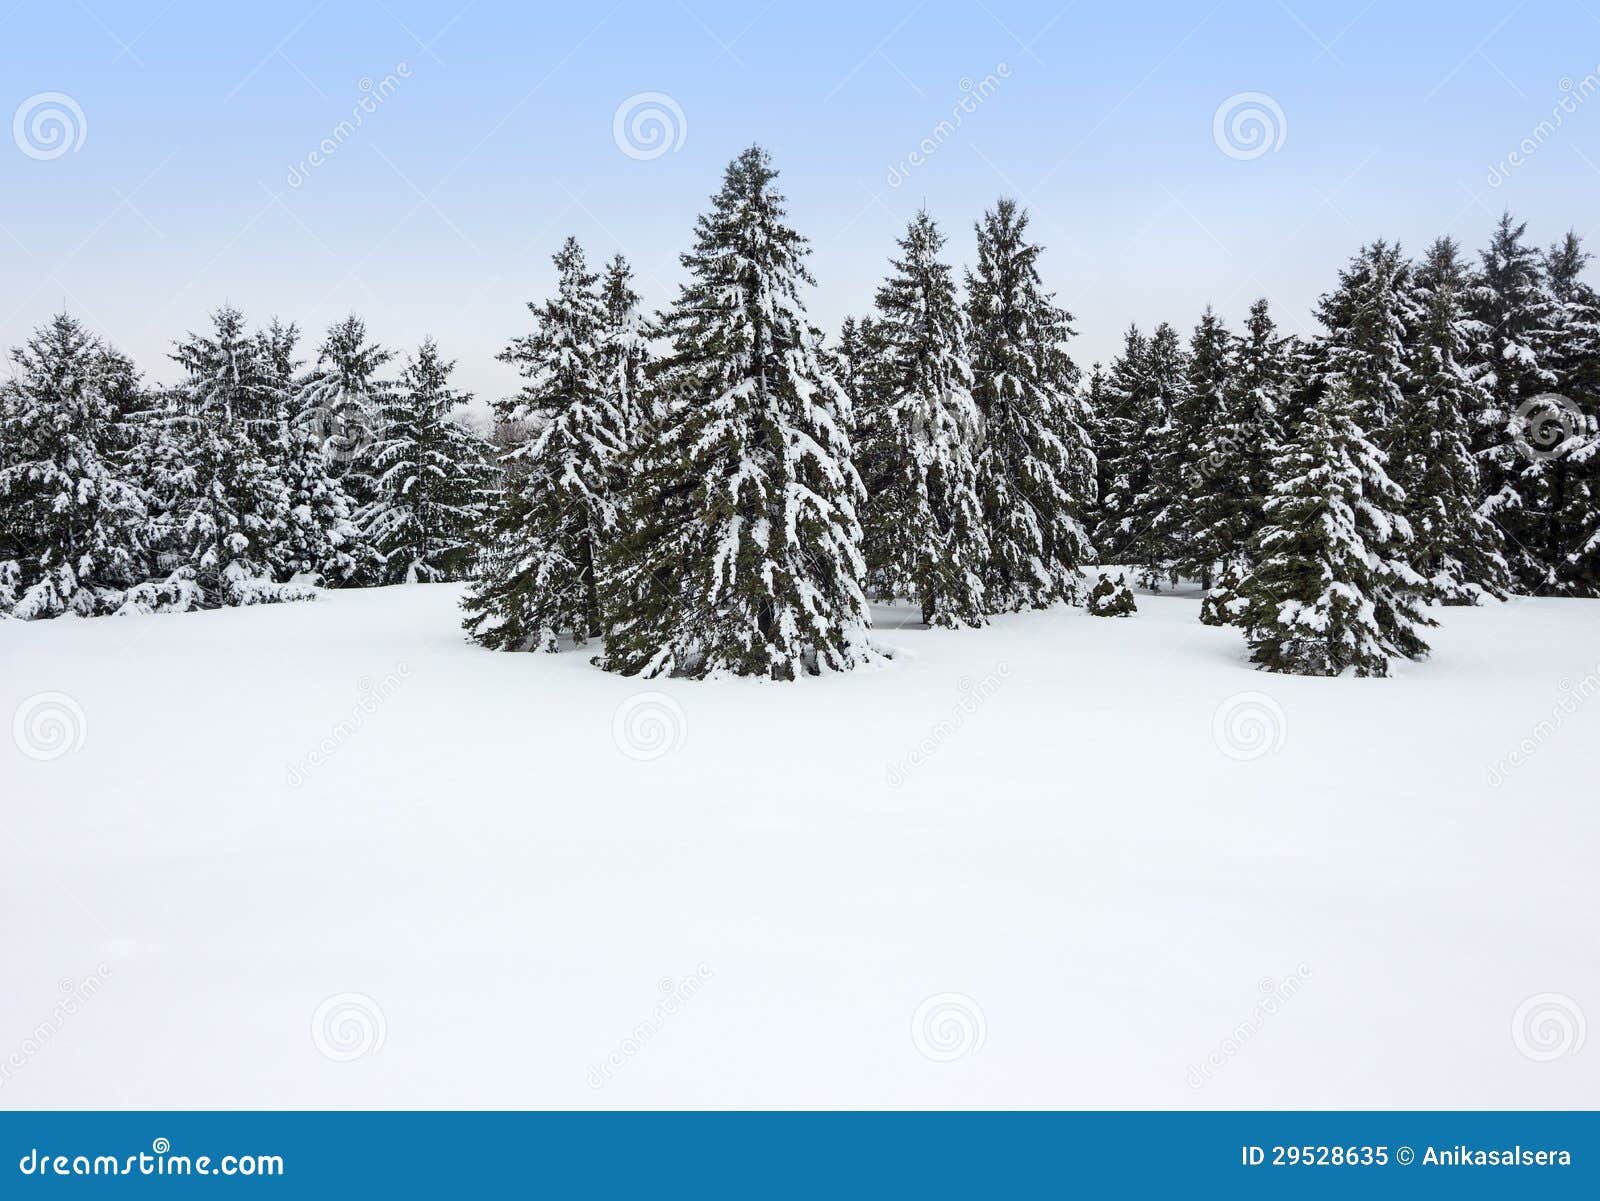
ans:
(438, 215)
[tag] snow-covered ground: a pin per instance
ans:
(1063, 862)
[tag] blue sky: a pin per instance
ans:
(495, 138)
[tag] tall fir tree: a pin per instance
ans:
(1191, 481)
(432, 474)
(1148, 537)
(743, 548)
(1569, 484)
(1331, 591)
(539, 572)
(625, 349)
(73, 535)
(1512, 308)
(1367, 318)
(923, 529)
(1455, 548)
(1119, 418)
(1036, 471)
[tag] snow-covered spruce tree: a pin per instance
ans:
(1237, 450)
(1367, 318)
(923, 532)
(72, 534)
(342, 403)
(431, 473)
(1331, 591)
(1118, 419)
(1570, 501)
(624, 349)
(1147, 537)
(233, 509)
(321, 542)
(1512, 308)
(1190, 481)
(538, 571)
(1036, 470)
(742, 548)
(1455, 548)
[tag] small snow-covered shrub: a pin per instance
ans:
(1111, 596)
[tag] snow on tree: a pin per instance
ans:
(742, 553)
(538, 572)
(1036, 470)
(1191, 483)
(1144, 533)
(1111, 596)
(1118, 419)
(1455, 548)
(1569, 482)
(72, 534)
(923, 526)
(431, 474)
(321, 541)
(1521, 423)
(1367, 318)
(624, 350)
(234, 509)
(1331, 591)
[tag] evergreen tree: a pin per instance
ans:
(1194, 489)
(1455, 548)
(431, 473)
(1120, 417)
(923, 529)
(624, 349)
(1569, 480)
(1331, 592)
(1367, 318)
(743, 552)
(538, 574)
(1036, 471)
(1148, 537)
(1237, 449)
(1512, 309)
(72, 534)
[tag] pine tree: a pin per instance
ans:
(743, 552)
(1194, 489)
(1036, 470)
(234, 509)
(1512, 308)
(342, 403)
(923, 529)
(72, 534)
(624, 350)
(1367, 318)
(1148, 537)
(1237, 450)
(1569, 485)
(538, 574)
(1119, 419)
(431, 475)
(1331, 591)
(1455, 548)
(321, 542)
